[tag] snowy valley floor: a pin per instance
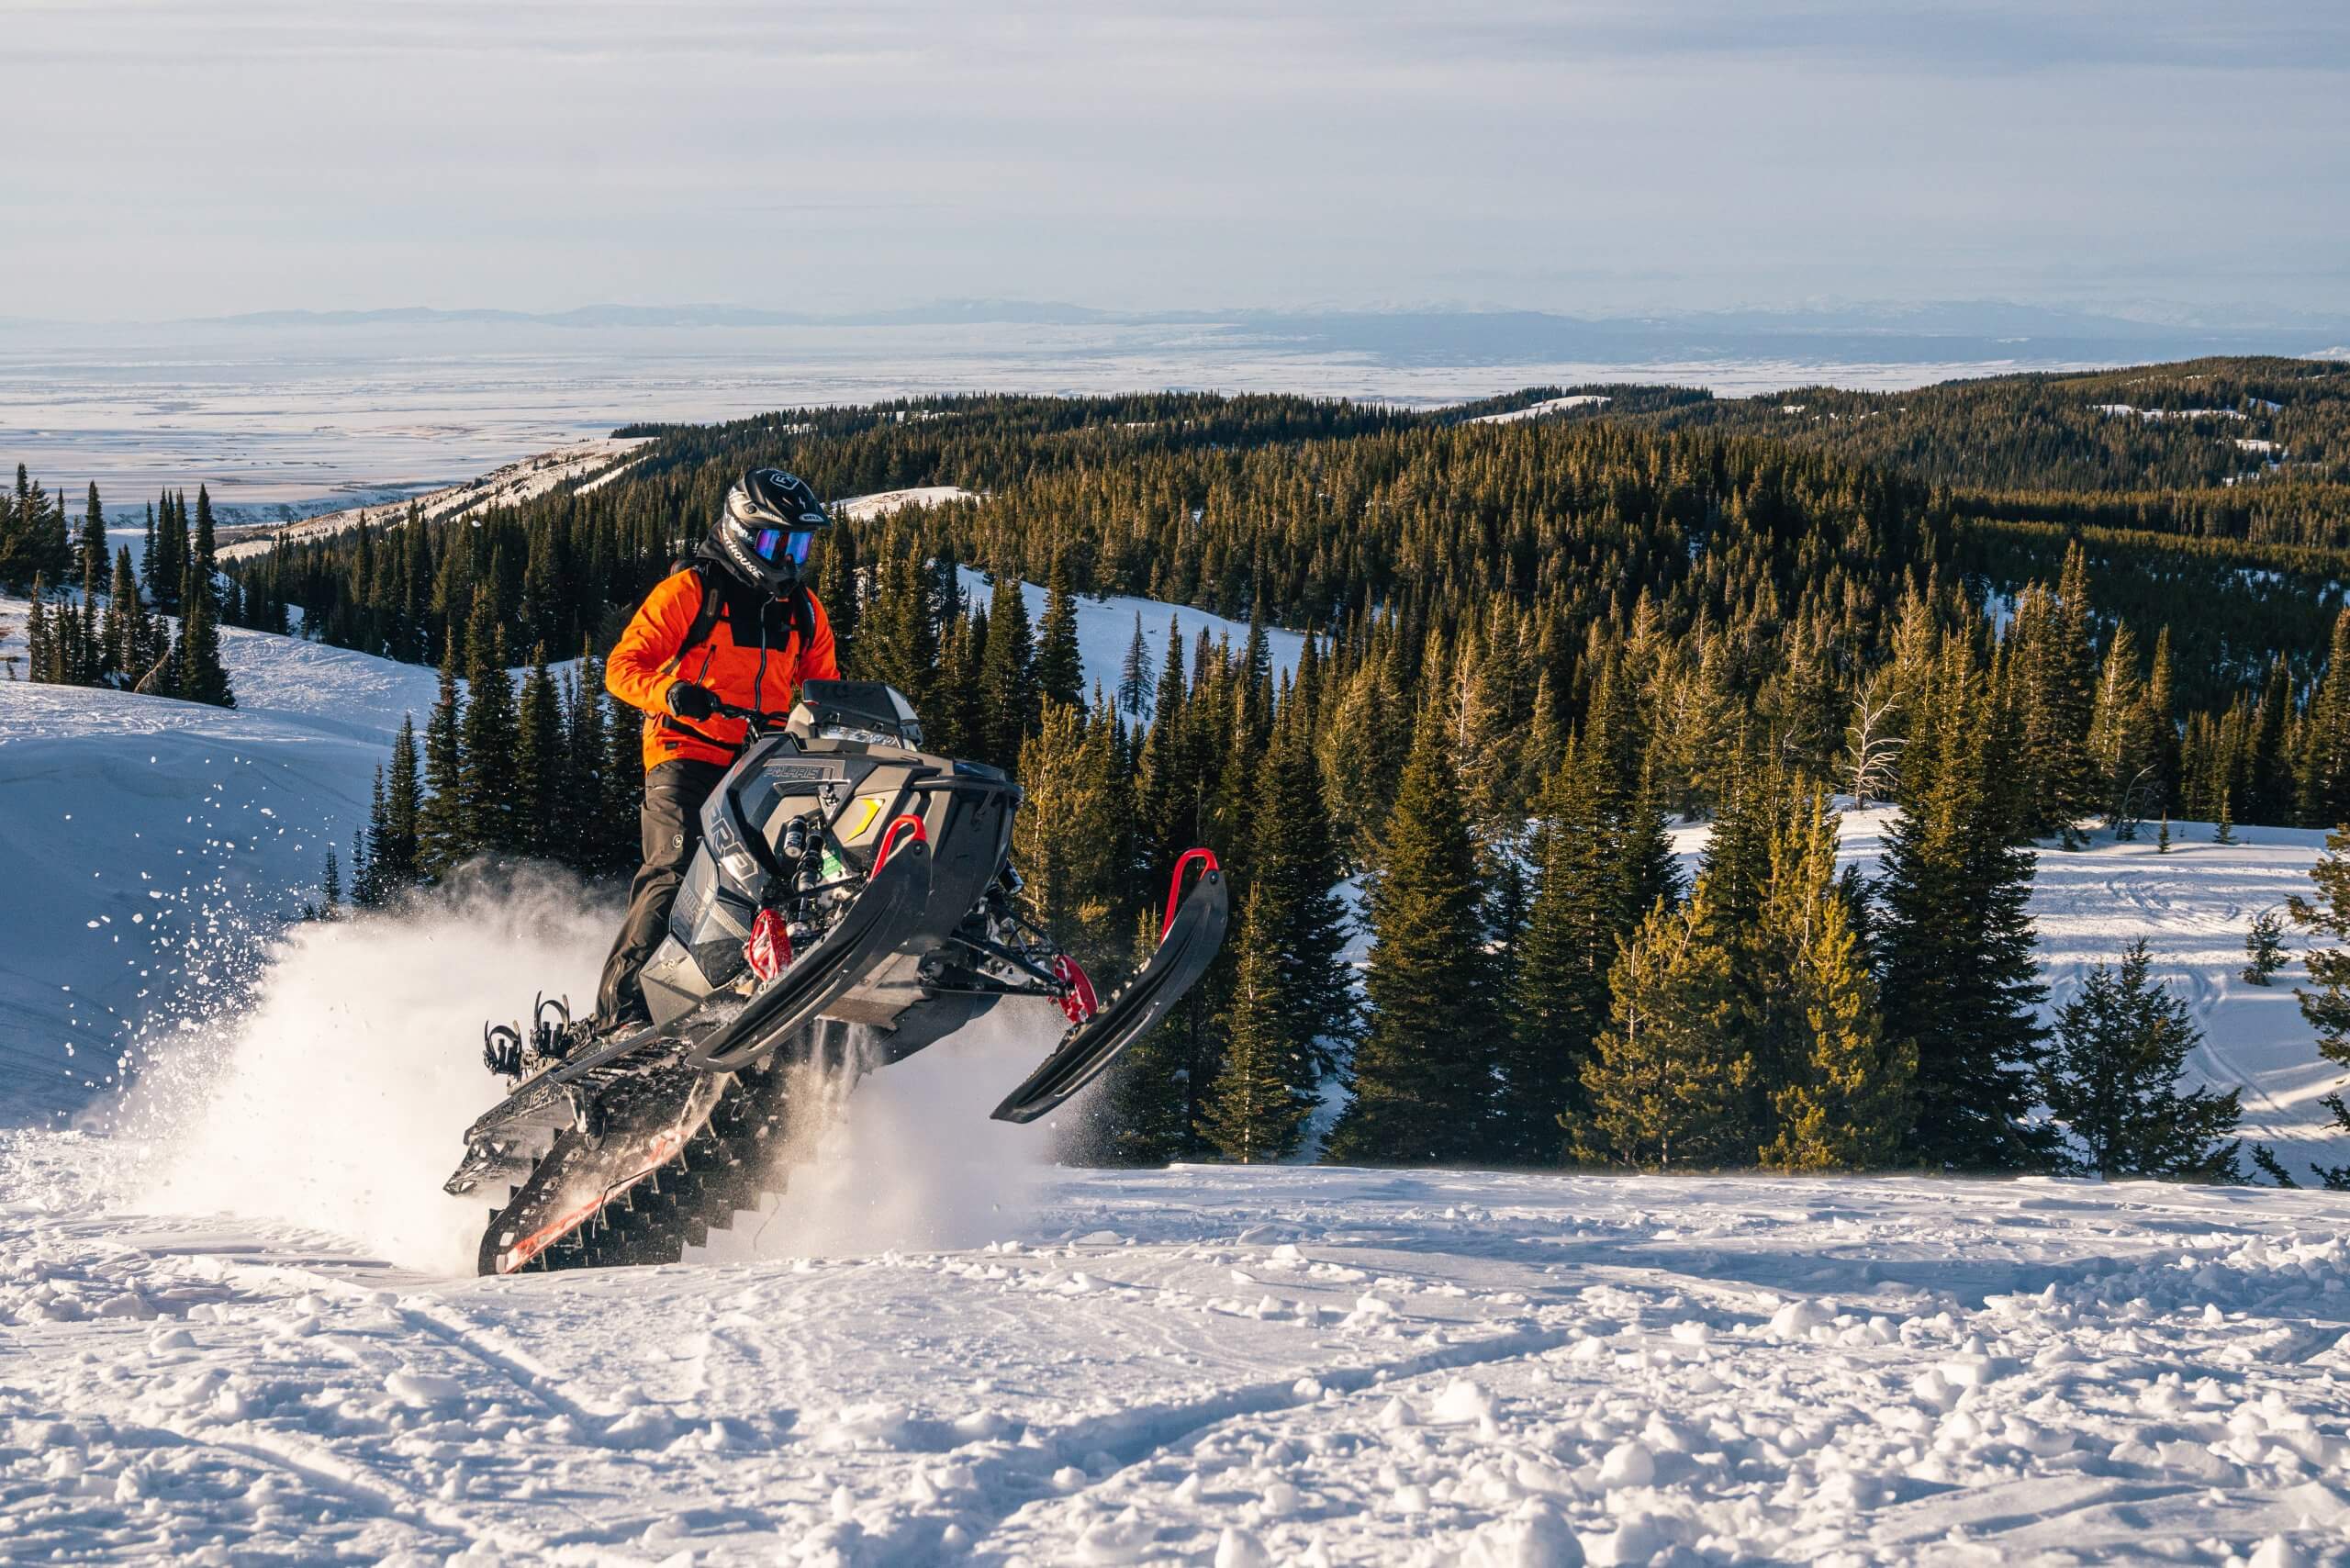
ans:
(1212, 1365)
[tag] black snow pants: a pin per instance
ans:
(671, 818)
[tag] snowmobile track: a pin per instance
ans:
(722, 1167)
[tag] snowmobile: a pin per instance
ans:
(853, 900)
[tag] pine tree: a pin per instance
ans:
(2264, 945)
(197, 674)
(94, 555)
(580, 807)
(2161, 838)
(365, 890)
(1060, 667)
(1294, 870)
(1957, 974)
(1134, 677)
(898, 641)
(954, 720)
(541, 765)
(1168, 788)
(1065, 835)
(487, 786)
(2123, 752)
(2122, 1044)
(41, 653)
(397, 855)
(171, 554)
(1846, 1103)
(1666, 1087)
(148, 560)
(330, 890)
(623, 781)
(837, 579)
(444, 838)
(2225, 831)
(1603, 862)
(1423, 1080)
(1255, 1111)
(2324, 784)
(125, 623)
(1007, 677)
(204, 558)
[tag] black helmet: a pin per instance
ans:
(764, 531)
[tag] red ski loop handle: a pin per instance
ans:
(889, 839)
(1175, 888)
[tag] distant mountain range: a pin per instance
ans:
(1947, 332)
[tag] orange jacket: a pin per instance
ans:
(646, 661)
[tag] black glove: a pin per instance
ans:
(688, 701)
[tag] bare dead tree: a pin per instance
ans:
(1872, 752)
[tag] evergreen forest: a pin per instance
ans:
(2022, 609)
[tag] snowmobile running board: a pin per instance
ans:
(1195, 932)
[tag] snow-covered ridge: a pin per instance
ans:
(598, 460)
(1548, 406)
(1105, 631)
(2120, 411)
(881, 503)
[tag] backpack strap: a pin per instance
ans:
(798, 614)
(706, 614)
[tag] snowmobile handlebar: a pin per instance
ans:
(759, 726)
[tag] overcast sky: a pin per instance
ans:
(182, 157)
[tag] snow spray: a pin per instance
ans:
(337, 1095)
(909, 1159)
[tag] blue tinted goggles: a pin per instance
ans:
(773, 542)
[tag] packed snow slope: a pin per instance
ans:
(150, 847)
(1224, 1365)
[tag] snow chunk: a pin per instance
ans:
(1463, 1401)
(423, 1390)
(1798, 1318)
(1628, 1464)
(1127, 1538)
(1238, 1548)
(2278, 1552)
(1534, 1537)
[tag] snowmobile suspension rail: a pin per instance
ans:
(979, 945)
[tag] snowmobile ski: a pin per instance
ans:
(1195, 932)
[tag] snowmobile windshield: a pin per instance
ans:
(908, 736)
(791, 545)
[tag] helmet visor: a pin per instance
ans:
(776, 543)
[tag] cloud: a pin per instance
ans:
(202, 155)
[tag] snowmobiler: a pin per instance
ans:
(850, 900)
(736, 626)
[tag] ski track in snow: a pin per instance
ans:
(1207, 1365)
